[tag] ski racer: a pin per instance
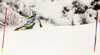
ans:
(31, 22)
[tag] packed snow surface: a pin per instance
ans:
(56, 40)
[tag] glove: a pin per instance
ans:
(41, 26)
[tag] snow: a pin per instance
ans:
(93, 13)
(53, 11)
(77, 19)
(51, 39)
(50, 10)
(55, 40)
(86, 2)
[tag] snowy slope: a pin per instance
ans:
(57, 40)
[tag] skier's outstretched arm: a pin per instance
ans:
(30, 17)
(40, 23)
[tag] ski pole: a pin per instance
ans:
(96, 29)
(4, 30)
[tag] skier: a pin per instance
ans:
(31, 22)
